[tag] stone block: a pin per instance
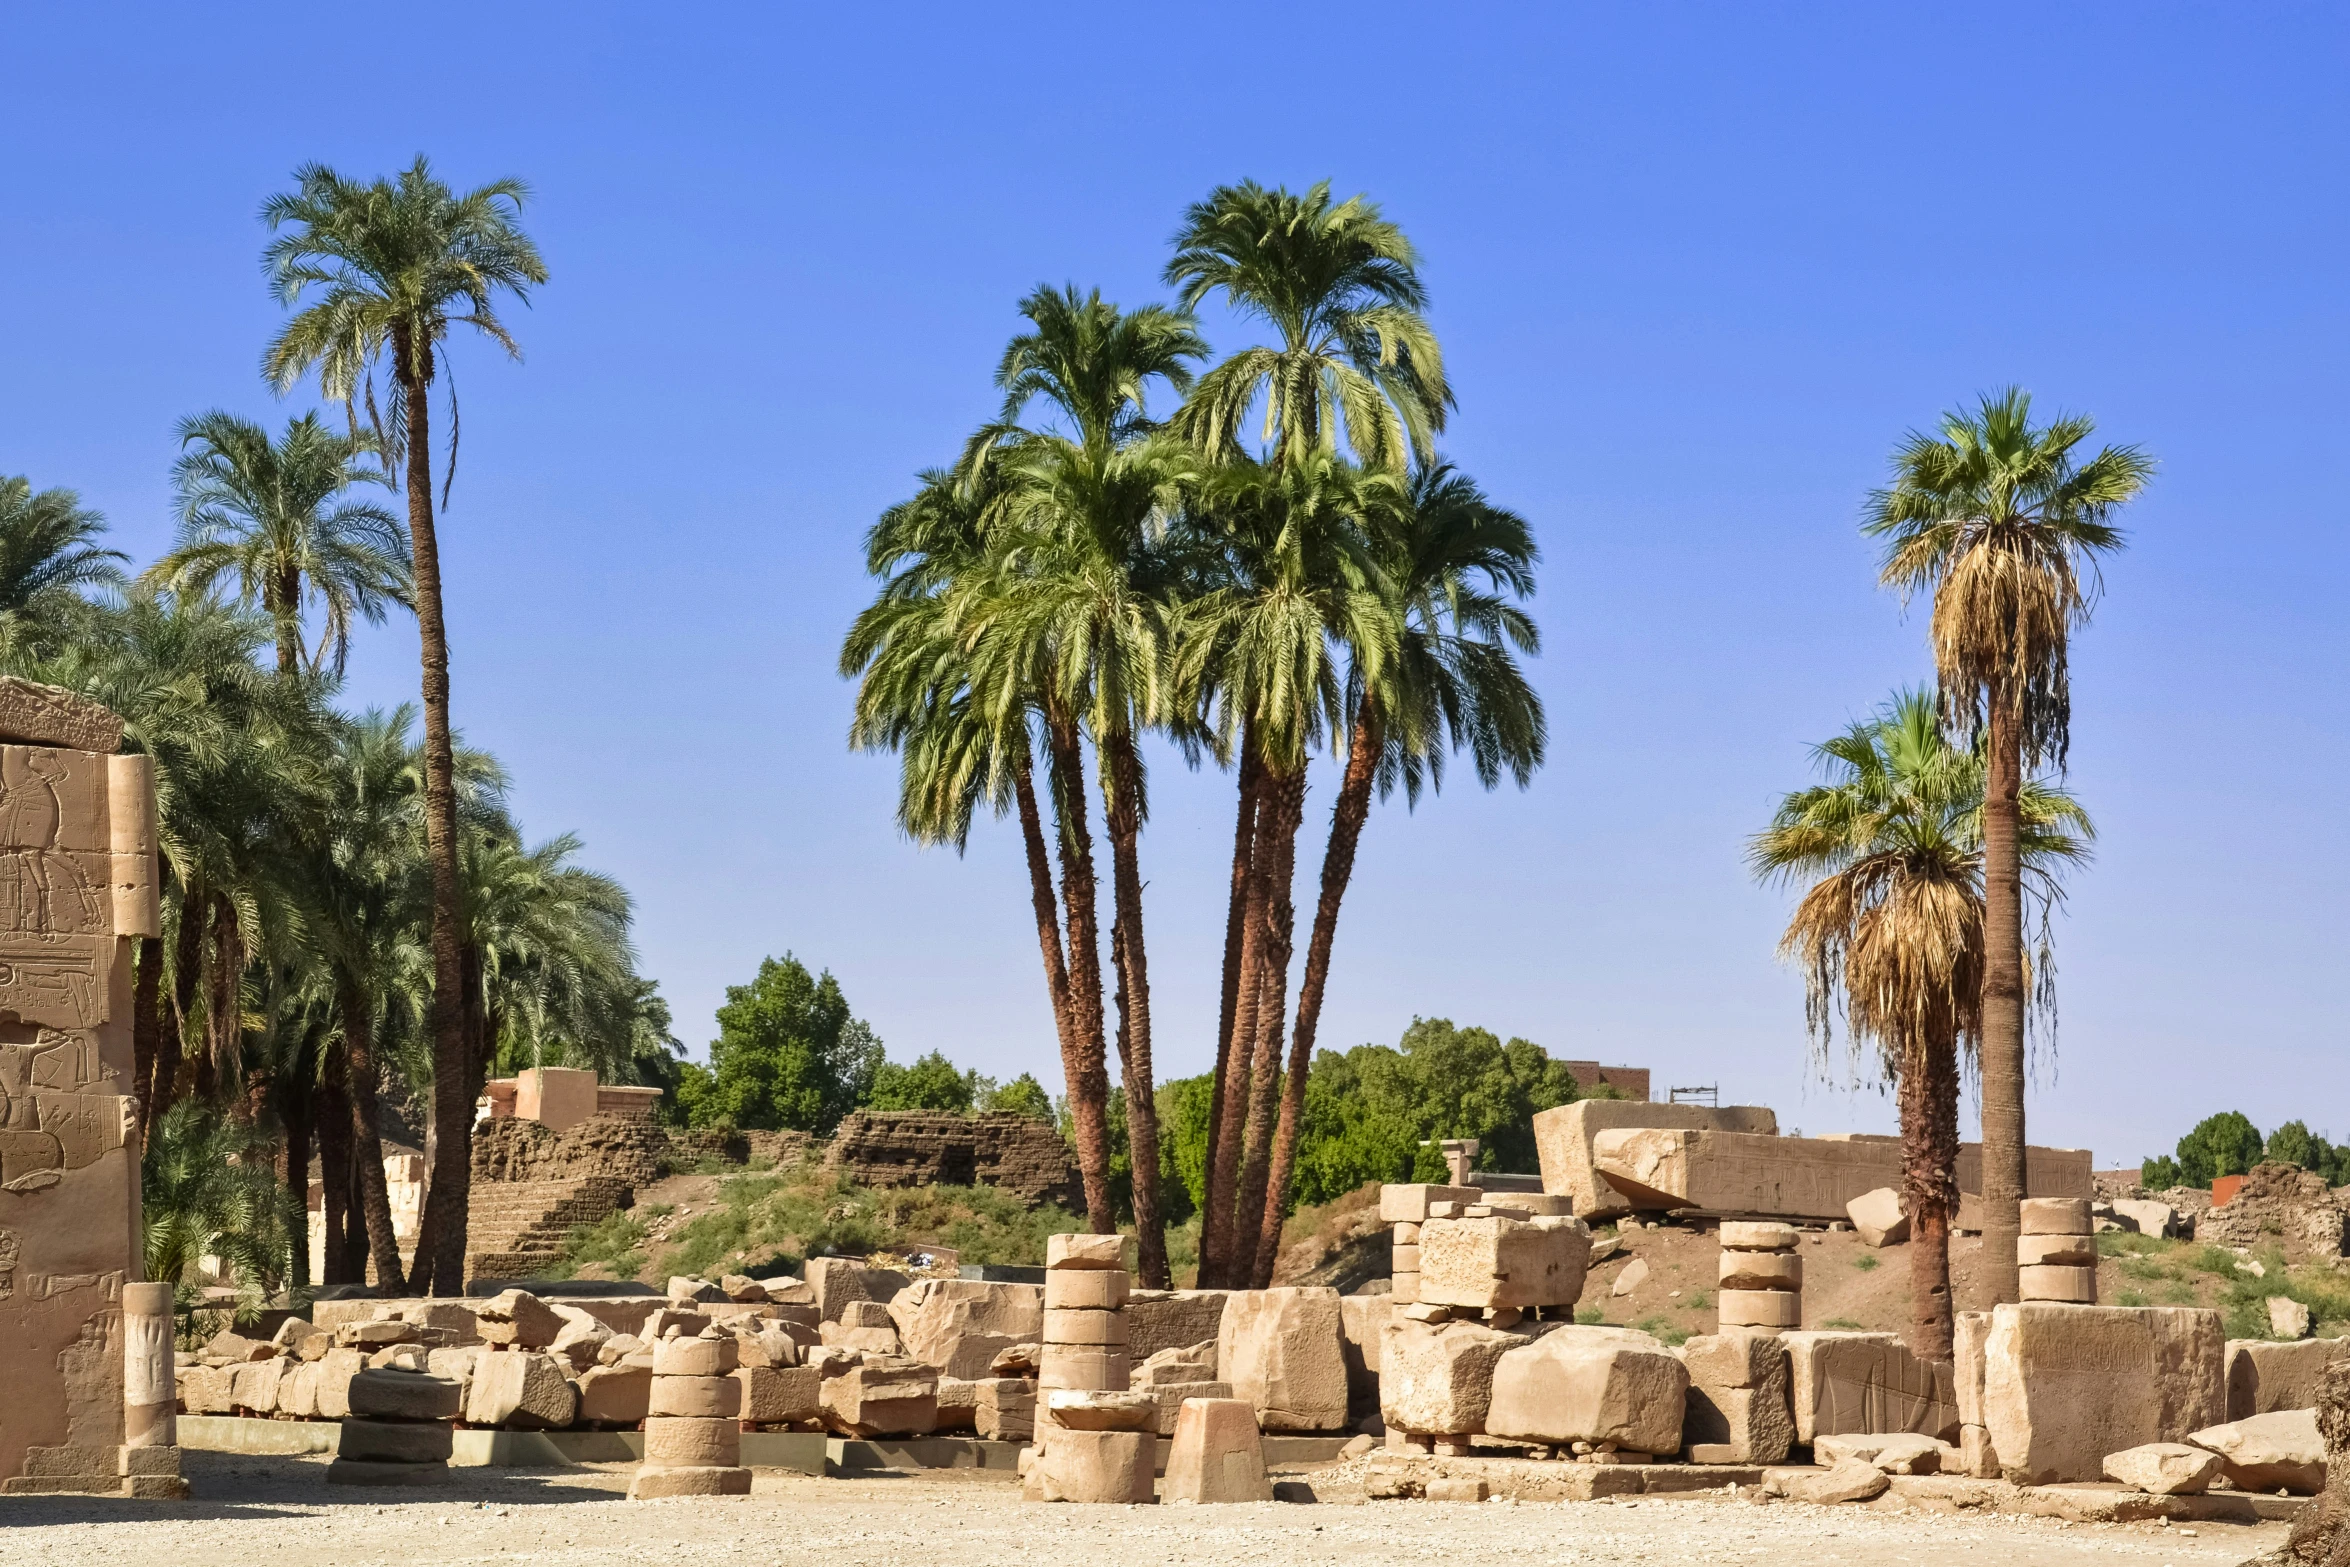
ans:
(1171, 1319)
(1563, 1138)
(1170, 1396)
(1866, 1382)
(2264, 1377)
(1437, 1378)
(958, 1404)
(394, 1442)
(1194, 1363)
(696, 1398)
(1895, 1452)
(1851, 1481)
(1082, 1289)
(2057, 1216)
(2146, 1216)
(1078, 1249)
(1093, 1329)
(1004, 1409)
(1758, 1309)
(1738, 1410)
(335, 1371)
(2164, 1468)
(2073, 1286)
(1217, 1454)
(1591, 1384)
(1404, 1257)
(617, 1395)
(1453, 1488)
(1408, 1204)
(1404, 1289)
(770, 1344)
(518, 1319)
(521, 1390)
(33, 714)
(1093, 1466)
(684, 1443)
(400, 1357)
(1079, 1409)
(1403, 1234)
(1761, 1270)
(2065, 1385)
(777, 1395)
(878, 1341)
(2288, 1318)
(1877, 1217)
(894, 1399)
(835, 1281)
(254, 1385)
(403, 1395)
(651, 1485)
(696, 1357)
(1969, 1329)
(1362, 1320)
(360, 1471)
(1977, 1458)
(1282, 1351)
(869, 1313)
(2056, 1251)
(1500, 1261)
(1757, 1235)
(1075, 1366)
(1792, 1177)
(2274, 1452)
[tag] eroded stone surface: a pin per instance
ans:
(2063, 1386)
(1591, 1384)
(1282, 1351)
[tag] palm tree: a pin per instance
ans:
(1450, 561)
(277, 518)
(207, 1190)
(1340, 286)
(1893, 933)
(49, 556)
(2004, 525)
(388, 269)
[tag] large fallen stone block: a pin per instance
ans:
(893, 1398)
(1590, 1384)
(1217, 1454)
(1093, 1466)
(2147, 1217)
(960, 1325)
(1499, 1261)
(1437, 1378)
(835, 1281)
(1866, 1382)
(523, 1390)
(1877, 1217)
(1172, 1319)
(1850, 1481)
(402, 1395)
(1282, 1350)
(2063, 1386)
(518, 1319)
(1563, 1137)
(779, 1395)
(335, 1372)
(1738, 1411)
(2273, 1452)
(1798, 1177)
(2165, 1468)
(253, 1386)
(1004, 1409)
(616, 1395)
(2264, 1377)
(204, 1390)
(1895, 1452)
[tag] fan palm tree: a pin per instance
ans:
(278, 519)
(1450, 562)
(49, 558)
(2003, 522)
(384, 271)
(1893, 933)
(1339, 285)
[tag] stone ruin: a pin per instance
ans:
(85, 1347)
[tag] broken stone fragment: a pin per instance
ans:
(1217, 1454)
(2277, 1452)
(1877, 1217)
(522, 1389)
(519, 1319)
(2165, 1468)
(1283, 1350)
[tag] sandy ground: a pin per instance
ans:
(279, 1513)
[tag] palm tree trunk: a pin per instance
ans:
(1285, 804)
(1042, 899)
(1929, 1191)
(287, 611)
(225, 989)
(150, 1071)
(450, 1173)
(1228, 1089)
(333, 1118)
(187, 972)
(1122, 816)
(1086, 1063)
(383, 1243)
(1338, 863)
(2003, 1008)
(297, 1175)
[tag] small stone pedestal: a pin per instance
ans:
(400, 1432)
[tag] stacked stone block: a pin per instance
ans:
(1739, 1409)
(693, 1430)
(400, 1429)
(1404, 1208)
(2056, 1253)
(1085, 1285)
(1761, 1278)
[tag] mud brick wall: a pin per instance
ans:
(1000, 1148)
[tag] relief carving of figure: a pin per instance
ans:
(41, 888)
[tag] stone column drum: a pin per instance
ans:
(2057, 1253)
(693, 1433)
(1761, 1277)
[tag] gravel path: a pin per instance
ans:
(279, 1513)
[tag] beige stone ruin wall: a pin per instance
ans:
(77, 880)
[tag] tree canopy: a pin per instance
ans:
(789, 1056)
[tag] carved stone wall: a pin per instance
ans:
(77, 882)
(999, 1148)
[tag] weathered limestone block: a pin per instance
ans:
(1761, 1270)
(651, 1484)
(696, 1357)
(1078, 1289)
(2146, 1216)
(1738, 1410)
(1850, 1481)
(523, 1390)
(2165, 1468)
(1877, 1217)
(1437, 1378)
(1362, 1319)
(2056, 1215)
(204, 1390)
(696, 1398)
(682, 1443)
(616, 1395)
(2288, 1318)
(1093, 1466)
(835, 1281)
(2065, 1385)
(2056, 1251)
(518, 1318)
(1591, 1384)
(2069, 1286)
(402, 1395)
(2265, 1377)
(1080, 1249)
(1094, 1329)
(1171, 1397)
(1217, 1454)
(882, 1340)
(1498, 1261)
(1866, 1382)
(582, 1340)
(893, 1398)
(1895, 1452)
(1408, 1204)
(1171, 1319)
(1676, 1166)
(1079, 1367)
(335, 1371)
(778, 1395)
(2274, 1452)
(253, 1386)
(1081, 1409)
(770, 1344)
(1772, 1309)
(1758, 1235)
(32, 714)
(1563, 1137)
(1282, 1351)
(1004, 1408)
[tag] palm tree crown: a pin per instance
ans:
(49, 555)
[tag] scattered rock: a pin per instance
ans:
(2165, 1468)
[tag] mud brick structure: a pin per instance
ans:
(1000, 1148)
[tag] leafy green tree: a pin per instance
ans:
(931, 1083)
(2003, 523)
(382, 272)
(788, 1055)
(2294, 1143)
(278, 519)
(2159, 1173)
(1023, 1095)
(2223, 1144)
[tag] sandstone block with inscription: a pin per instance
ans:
(2063, 1386)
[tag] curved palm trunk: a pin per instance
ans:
(1347, 817)
(367, 1151)
(1929, 1190)
(149, 1074)
(1085, 1064)
(1285, 805)
(450, 1172)
(225, 993)
(1228, 1088)
(187, 973)
(333, 1119)
(1220, 1229)
(1041, 898)
(1122, 816)
(296, 1113)
(2003, 1009)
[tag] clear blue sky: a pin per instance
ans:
(1696, 269)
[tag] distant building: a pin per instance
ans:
(1629, 1082)
(560, 1097)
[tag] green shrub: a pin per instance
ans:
(1666, 1332)
(2223, 1144)
(1867, 1262)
